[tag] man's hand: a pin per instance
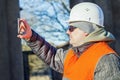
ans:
(24, 30)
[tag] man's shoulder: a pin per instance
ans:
(109, 60)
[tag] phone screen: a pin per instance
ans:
(21, 26)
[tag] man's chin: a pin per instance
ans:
(71, 43)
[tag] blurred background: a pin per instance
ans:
(48, 18)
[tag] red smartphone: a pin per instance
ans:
(21, 27)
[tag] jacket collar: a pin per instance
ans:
(80, 49)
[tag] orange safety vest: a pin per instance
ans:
(83, 68)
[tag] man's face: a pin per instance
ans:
(76, 36)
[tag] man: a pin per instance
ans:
(90, 57)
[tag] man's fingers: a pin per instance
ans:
(20, 36)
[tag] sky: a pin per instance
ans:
(48, 18)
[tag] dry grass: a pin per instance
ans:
(40, 78)
(38, 69)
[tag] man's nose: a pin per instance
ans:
(68, 32)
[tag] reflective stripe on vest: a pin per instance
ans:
(83, 68)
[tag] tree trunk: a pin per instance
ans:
(74, 2)
(116, 23)
(11, 61)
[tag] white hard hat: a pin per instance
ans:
(87, 11)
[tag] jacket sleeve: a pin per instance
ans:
(49, 54)
(108, 68)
